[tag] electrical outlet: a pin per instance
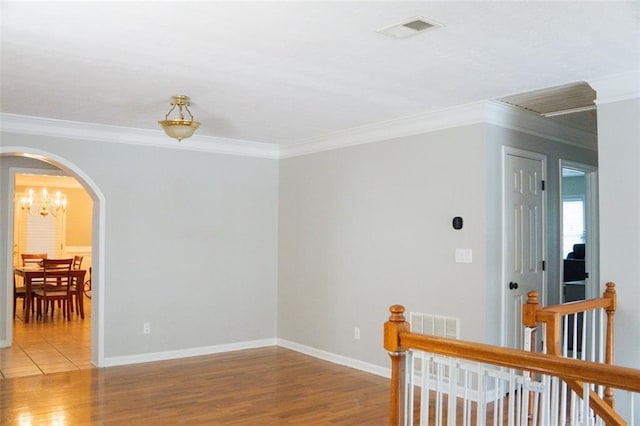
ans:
(146, 328)
(356, 333)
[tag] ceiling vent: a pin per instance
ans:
(408, 28)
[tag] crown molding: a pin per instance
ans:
(489, 112)
(504, 115)
(29, 125)
(616, 88)
(430, 121)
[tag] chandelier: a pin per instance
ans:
(179, 128)
(45, 204)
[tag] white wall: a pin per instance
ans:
(619, 133)
(365, 227)
(191, 243)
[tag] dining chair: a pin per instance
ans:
(77, 263)
(57, 286)
(20, 291)
(29, 259)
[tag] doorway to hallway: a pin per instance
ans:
(578, 230)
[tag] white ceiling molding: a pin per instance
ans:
(127, 135)
(431, 121)
(490, 112)
(532, 123)
(615, 88)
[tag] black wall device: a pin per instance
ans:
(457, 222)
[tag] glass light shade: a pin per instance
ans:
(179, 129)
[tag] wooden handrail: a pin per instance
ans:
(398, 340)
(591, 372)
(551, 316)
(533, 312)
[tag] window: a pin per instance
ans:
(572, 224)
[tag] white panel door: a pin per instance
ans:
(524, 250)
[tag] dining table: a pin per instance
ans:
(29, 273)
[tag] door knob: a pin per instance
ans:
(513, 286)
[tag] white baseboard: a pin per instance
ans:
(5, 344)
(209, 350)
(187, 353)
(336, 359)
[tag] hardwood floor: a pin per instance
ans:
(48, 380)
(48, 347)
(267, 386)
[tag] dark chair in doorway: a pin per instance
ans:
(574, 266)
(575, 273)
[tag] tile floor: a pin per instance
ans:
(48, 347)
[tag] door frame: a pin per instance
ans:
(98, 243)
(592, 249)
(508, 150)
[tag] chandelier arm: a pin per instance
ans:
(173, 106)
(186, 106)
(180, 114)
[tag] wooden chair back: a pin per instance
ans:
(30, 259)
(57, 273)
(77, 262)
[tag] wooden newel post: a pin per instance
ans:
(609, 293)
(392, 330)
(530, 309)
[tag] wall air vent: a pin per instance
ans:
(408, 28)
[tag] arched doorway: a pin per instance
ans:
(98, 244)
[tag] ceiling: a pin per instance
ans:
(288, 72)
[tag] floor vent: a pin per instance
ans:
(409, 27)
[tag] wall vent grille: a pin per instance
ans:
(435, 325)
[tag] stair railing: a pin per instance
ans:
(578, 330)
(530, 373)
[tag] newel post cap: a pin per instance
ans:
(392, 328)
(530, 309)
(610, 293)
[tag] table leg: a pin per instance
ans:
(27, 298)
(80, 296)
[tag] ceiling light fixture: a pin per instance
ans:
(179, 128)
(45, 204)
